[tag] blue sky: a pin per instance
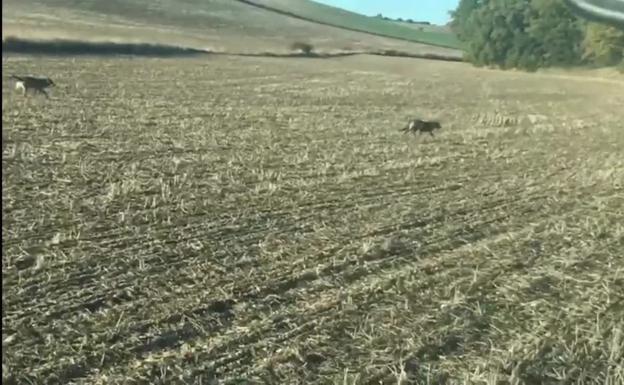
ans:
(435, 11)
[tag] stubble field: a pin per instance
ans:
(255, 220)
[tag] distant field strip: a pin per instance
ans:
(323, 14)
(258, 220)
(63, 47)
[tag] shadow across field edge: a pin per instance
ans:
(62, 47)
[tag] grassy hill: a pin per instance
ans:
(329, 15)
(220, 25)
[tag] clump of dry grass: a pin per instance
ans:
(161, 233)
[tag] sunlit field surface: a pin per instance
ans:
(176, 221)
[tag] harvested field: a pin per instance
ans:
(254, 220)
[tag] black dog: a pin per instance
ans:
(421, 126)
(38, 84)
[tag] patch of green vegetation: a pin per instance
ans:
(532, 34)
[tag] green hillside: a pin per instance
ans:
(326, 14)
(219, 25)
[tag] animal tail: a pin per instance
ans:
(17, 77)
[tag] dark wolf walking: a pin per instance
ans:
(38, 84)
(421, 126)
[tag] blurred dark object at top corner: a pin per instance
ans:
(602, 11)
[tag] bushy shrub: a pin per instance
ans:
(526, 34)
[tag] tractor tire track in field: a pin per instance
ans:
(306, 320)
(288, 283)
(84, 277)
(408, 189)
(365, 195)
(168, 263)
(283, 286)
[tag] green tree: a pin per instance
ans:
(498, 35)
(460, 18)
(603, 45)
(524, 34)
(559, 32)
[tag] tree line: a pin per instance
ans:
(532, 34)
(410, 21)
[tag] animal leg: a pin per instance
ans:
(40, 91)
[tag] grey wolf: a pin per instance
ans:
(38, 84)
(420, 126)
